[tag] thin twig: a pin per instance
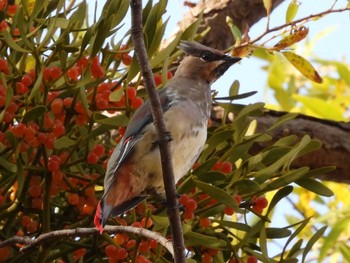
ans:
(163, 134)
(301, 20)
(31, 243)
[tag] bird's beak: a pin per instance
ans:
(226, 64)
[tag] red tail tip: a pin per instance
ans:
(98, 218)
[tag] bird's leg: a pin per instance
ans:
(167, 137)
(163, 201)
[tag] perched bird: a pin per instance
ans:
(134, 169)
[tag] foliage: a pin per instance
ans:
(65, 99)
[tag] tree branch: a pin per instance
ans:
(163, 134)
(31, 243)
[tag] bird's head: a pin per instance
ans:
(203, 62)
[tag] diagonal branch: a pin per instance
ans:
(163, 134)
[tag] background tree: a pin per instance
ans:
(66, 96)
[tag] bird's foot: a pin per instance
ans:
(167, 137)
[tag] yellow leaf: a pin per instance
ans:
(268, 5)
(296, 36)
(30, 64)
(292, 11)
(303, 66)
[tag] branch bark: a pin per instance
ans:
(163, 134)
(80, 232)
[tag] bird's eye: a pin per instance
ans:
(206, 56)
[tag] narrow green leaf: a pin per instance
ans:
(315, 186)
(345, 251)
(302, 225)
(281, 193)
(246, 186)
(36, 88)
(64, 142)
(238, 96)
(283, 119)
(115, 121)
(83, 98)
(234, 225)
(294, 251)
(217, 193)
(20, 179)
(116, 95)
(197, 239)
(249, 110)
(236, 33)
(11, 43)
(286, 179)
(34, 114)
(317, 236)
(11, 167)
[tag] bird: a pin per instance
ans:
(134, 168)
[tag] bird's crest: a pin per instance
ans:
(203, 52)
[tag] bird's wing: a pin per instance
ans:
(134, 132)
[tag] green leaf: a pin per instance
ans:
(234, 225)
(344, 72)
(237, 97)
(321, 108)
(286, 179)
(246, 186)
(249, 109)
(296, 36)
(330, 240)
(214, 141)
(11, 167)
(295, 233)
(281, 193)
(315, 186)
(36, 88)
(345, 251)
(217, 193)
(303, 66)
(191, 31)
(211, 177)
(64, 142)
(196, 239)
(83, 98)
(236, 33)
(34, 114)
(11, 43)
(116, 95)
(281, 120)
(294, 251)
(115, 121)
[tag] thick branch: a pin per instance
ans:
(79, 232)
(243, 13)
(163, 134)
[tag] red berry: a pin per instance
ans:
(226, 167)
(188, 215)
(144, 247)
(27, 80)
(126, 59)
(21, 88)
(130, 244)
(207, 258)
(122, 253)
(73, 73)
(217, 166)
(111, 251)
(53, 165)
(67, 102)
(204, 222)
(3, 26)
(55, 72)
(136, 102)
(11, 9)
(92, 158)
(34, 191)
(229, 211)
(142, 259)
(170, 75)
(252, 259)
(158, 79)
(99, 149)
(131, 92)
(57, 106)
(73, 198)
(261, 202)
(58, 129)
(97, 70)
(190, 204)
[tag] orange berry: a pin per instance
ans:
(136, 102)
(142, 259)
(144, 247)
(190, 204)
(26, 220)
(158, 79)
(57, 106)
(147, 224)
(126, 59)
(252, 259)
(130, 244)
(122, 253)
(5, 253)
(34, 191)
(32, 227)
(119, 239)
(38, 203)
(229, 211)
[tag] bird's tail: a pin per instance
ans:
(98, 218)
